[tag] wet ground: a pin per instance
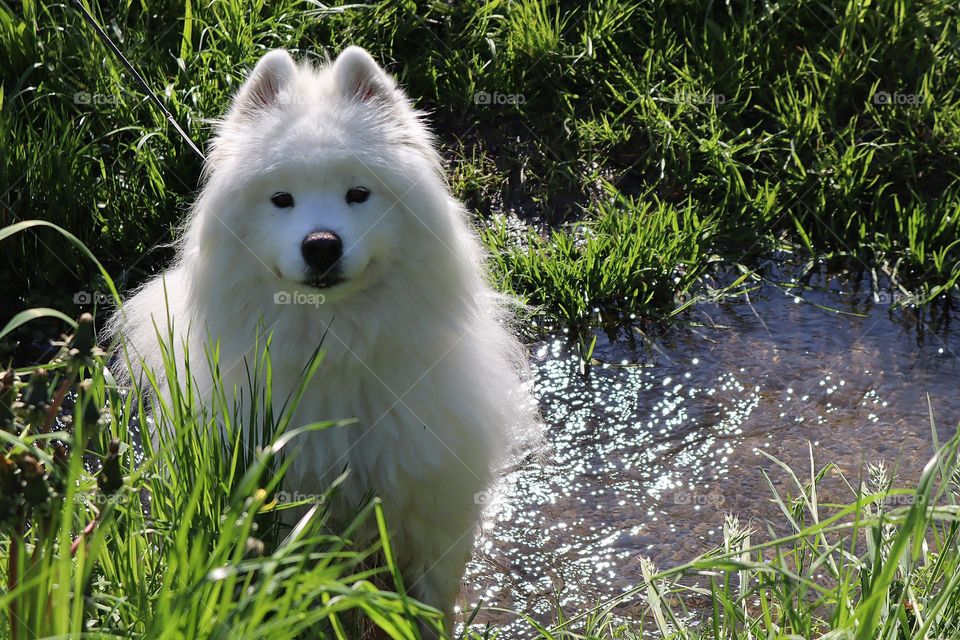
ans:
(647, 453)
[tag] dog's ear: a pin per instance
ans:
(262, 88)
(359, 77)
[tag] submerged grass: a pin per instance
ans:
(831, 127)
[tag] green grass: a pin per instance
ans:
(651, 141)
(183, 544)
(609, 266)
(762, 119)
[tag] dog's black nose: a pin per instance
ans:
(321, 250)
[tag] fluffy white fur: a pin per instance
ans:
(415, 345)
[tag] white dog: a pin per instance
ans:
(325, 211)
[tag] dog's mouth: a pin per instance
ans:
(324, 281)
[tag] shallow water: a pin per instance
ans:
(645, 457)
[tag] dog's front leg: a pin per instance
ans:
(438, 583)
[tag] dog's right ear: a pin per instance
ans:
(263, 86)
(359, 77)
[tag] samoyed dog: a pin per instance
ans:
(325, 215)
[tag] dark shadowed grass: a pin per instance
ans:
(831, 127)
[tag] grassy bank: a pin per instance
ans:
(611, 150)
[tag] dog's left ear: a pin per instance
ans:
(359, 77)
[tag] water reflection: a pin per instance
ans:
(646, 457)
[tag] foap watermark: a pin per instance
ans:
(904, 499)
(101, 500)
(886, 297)
(91, 297)
(483, 497)
(886, 98)
(293, 99)
(296, 497)
(299, 298)
(96, 99)
(697, 499)
(693, 97)
(498, 99)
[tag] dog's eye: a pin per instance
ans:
(357, 194)
(282, 200)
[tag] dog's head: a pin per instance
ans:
(325, 175)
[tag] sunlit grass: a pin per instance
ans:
(636, 255)
(831, 126)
